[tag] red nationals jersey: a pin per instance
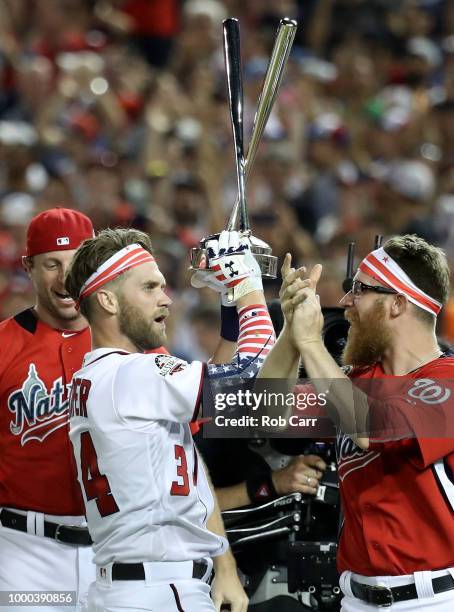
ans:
(398, 495)
(37, 468)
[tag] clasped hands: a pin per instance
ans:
(300, 304)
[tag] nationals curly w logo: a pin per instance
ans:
(429, 391)
(37, 412)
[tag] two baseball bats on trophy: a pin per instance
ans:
(239, 219)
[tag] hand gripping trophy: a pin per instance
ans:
(239, 216)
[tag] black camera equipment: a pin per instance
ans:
(347, 284)
(287, 546)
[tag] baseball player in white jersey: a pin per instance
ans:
(148, 503)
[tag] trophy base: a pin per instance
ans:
(262, 253)
(267, 264)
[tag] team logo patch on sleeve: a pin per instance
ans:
(429, 391)
(169, 365)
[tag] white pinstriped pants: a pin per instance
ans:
(133, 596)
(35, 563)
(166, 588)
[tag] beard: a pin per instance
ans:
(138, 328)
(368, 339)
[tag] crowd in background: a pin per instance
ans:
(118, 108)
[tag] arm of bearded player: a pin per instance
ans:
(284, 360)
(348, 406)
(227, 588)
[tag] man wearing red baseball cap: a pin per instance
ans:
(44, 544)
(52, 238)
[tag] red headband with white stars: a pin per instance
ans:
(381, 266)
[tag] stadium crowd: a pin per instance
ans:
(118, 108)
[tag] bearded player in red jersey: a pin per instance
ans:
(396, 479)
(44, 545)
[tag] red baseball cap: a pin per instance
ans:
(57, 229)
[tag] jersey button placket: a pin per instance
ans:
(70, 359)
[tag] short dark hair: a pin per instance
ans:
(93, 252)
(425, 264)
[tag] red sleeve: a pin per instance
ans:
(427, 450)
(11, 343)
(423, 411)
(194, 427)
(432, 450)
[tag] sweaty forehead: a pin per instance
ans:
(147, 272)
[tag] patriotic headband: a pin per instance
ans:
(384, 269)
(129, 257)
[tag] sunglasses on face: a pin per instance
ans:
(358, 288)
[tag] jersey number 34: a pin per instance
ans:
(97, 485)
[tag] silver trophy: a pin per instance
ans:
(239, 217)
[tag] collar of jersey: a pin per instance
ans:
(100, 353)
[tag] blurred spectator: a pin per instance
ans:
(204, 321)
(327, 142)
(405, 201)
(151, 25)
(118, 108)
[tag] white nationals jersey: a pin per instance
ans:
(146, 493)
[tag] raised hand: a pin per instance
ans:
(293, 281)
(233, 270)
(307, 321)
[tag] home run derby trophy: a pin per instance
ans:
(239, 216)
